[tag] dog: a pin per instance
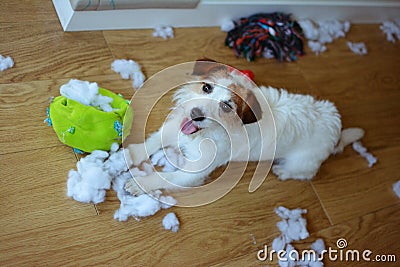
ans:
(296, 132)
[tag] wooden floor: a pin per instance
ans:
(40, 226)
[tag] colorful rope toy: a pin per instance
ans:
(271, 33)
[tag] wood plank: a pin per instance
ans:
(42, 51)
(221, 230)
(366, 91)
(209, 234)
(27, 11)
(35, 182)
(139, 45)
(376, 231)
(26, 103)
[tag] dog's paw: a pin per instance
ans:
(279, 170)
(138, 153)
(133, 188)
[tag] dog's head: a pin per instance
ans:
(221, 95)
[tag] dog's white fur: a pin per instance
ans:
(307, 132)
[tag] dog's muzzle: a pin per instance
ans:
(197, 115)
(188, 126)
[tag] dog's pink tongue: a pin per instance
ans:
(187, 126)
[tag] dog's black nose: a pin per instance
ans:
(197, 115)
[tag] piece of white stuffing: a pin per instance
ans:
(227, 25)
(129, 69)
(310, 29)
(89, 183)
(293, 228)
(164, 32)
(87, 94)
(268, 53)
(358, 147)
(6, 63)
(396, 188)
(318, 246)
(137, 206)
(358, 48)
(316, 47)
(319, 34)
(100, 170)
(279, 243)
(171, 222)
(168, 158)
(391, 29)
(254, 239)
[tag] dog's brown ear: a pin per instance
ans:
(252, 110)
(204, 66)
(248, 108)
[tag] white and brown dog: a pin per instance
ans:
(211, 117)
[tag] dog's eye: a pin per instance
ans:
(225, 107)
(207, 88)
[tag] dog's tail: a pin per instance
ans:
(347, 137)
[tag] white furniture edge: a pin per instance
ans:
(213, 13)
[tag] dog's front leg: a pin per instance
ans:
(167, 135)
(165, 180)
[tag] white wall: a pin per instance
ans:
(213, 12)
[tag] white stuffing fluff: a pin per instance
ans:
(268, 53)
(227, 25)
(391, 29)
(171, 222)
(358, 147)
(87, 94)
(293, 228)
(98, 171)
(396, 188)
(129, 69)
(90, 181)
(167, 158)
(138, 206)
(316, 47)
(357, 48)
(318, 246)
(6, 63)
(319, 34)
(164, 32)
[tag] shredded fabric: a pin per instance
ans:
(227, 25)
(6, 63)
(87, 94)
(100, 170)
(171, 222)
(357, 48)
(358, 147)
(396, 188)
(293, 227)
(391, 29)
(164, 32)
(254, 36)
(319, 34)
(129, 69)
